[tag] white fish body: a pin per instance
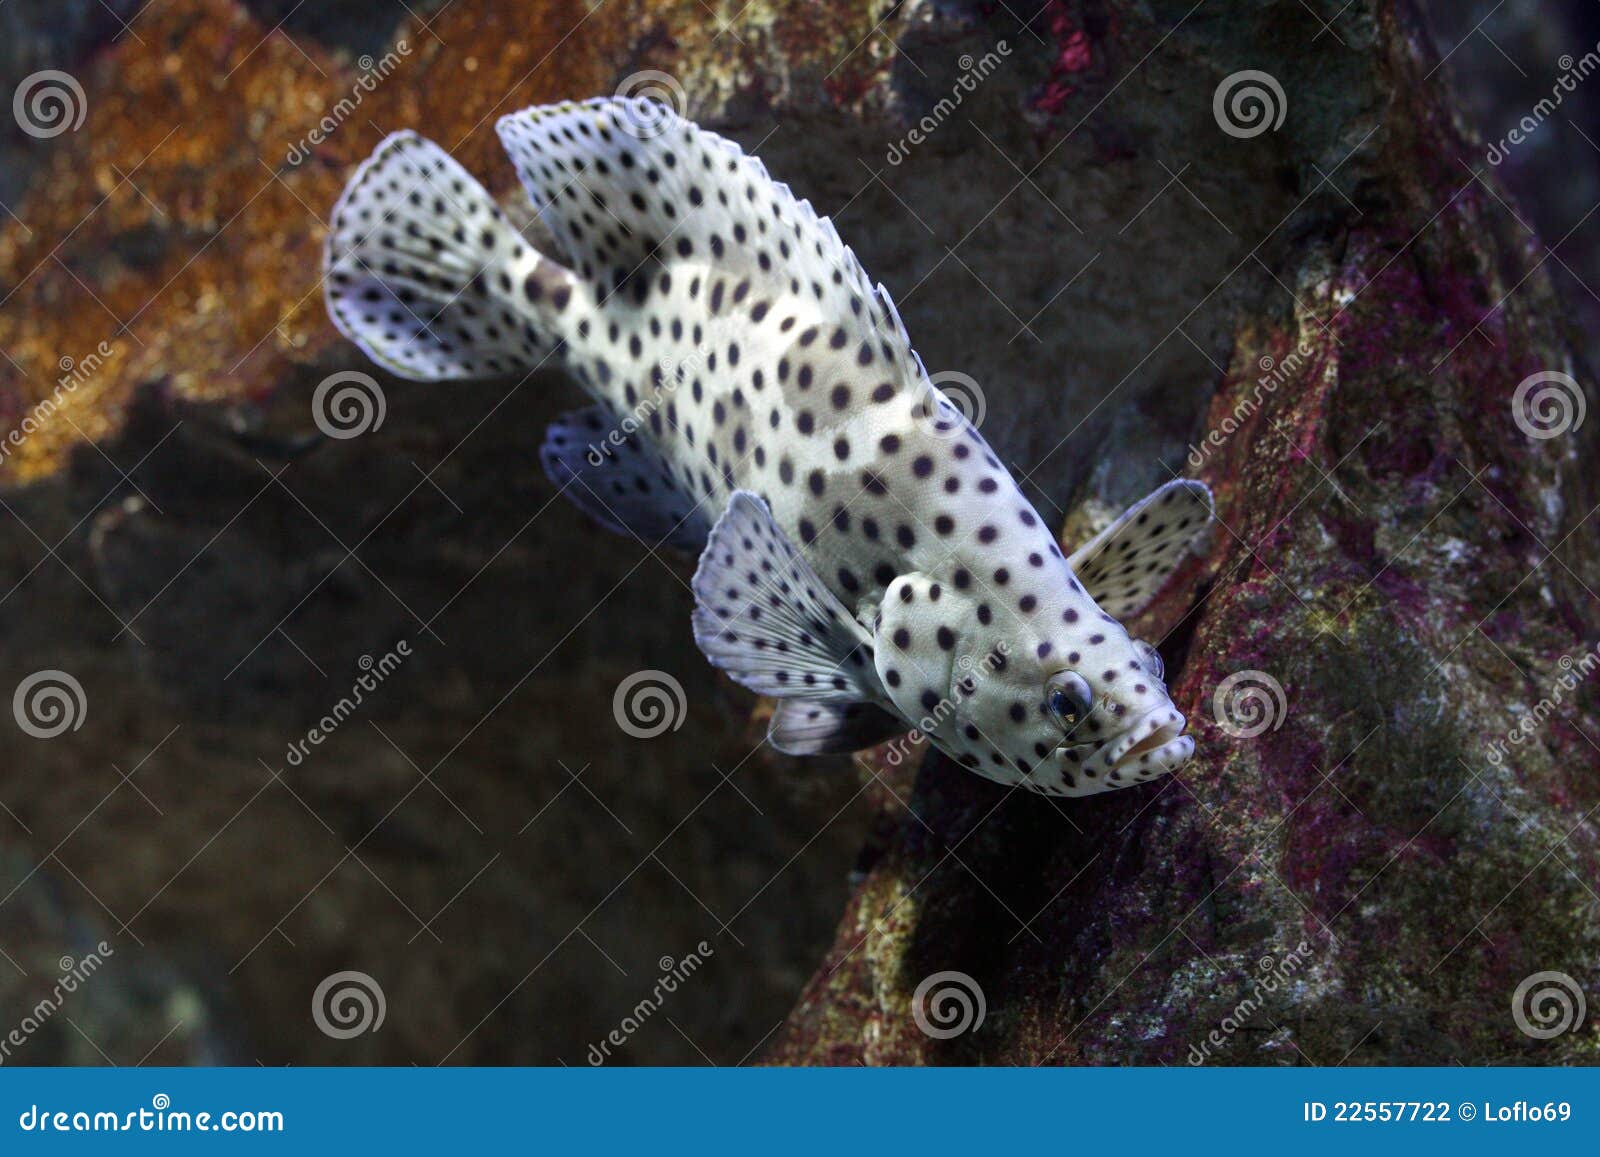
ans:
(866, 557)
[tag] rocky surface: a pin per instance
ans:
(1340, 300)
(1502, 61)
(1368, 877)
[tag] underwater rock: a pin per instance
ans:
(1385, 832)
(75, 990)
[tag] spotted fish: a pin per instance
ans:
(864, 556)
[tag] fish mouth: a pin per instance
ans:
(1154, 744)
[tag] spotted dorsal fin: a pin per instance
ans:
(1124, 565)
(624, 182)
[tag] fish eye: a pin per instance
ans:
(1150, 659)
(1069, 699)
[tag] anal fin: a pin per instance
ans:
(620, 481)
(812, 727)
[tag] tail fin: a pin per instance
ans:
(425, 274)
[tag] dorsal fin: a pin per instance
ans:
(620, 181)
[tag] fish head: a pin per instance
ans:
(1105, 693)
(1045, 689)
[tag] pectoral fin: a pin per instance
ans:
(1124, 565)
(765, 617)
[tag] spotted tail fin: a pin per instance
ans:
(424, 272)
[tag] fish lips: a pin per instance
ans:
(1154, 744)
